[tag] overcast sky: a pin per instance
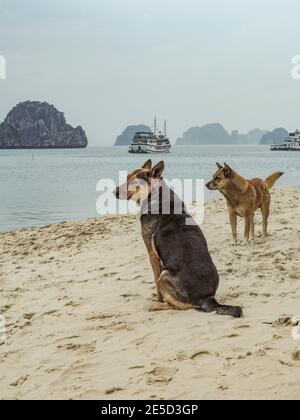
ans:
(110, 63)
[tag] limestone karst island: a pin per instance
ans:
(39, 125)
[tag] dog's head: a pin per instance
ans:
(221, 179)
(140, 182)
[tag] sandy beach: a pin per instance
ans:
(76, 295)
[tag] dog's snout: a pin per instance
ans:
(211, 185)
(117, 192)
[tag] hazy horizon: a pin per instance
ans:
(111, 63)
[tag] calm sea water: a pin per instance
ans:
(61, 184)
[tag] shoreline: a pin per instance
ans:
(75, 296)
(103, 218)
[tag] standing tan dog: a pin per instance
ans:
(244, 197)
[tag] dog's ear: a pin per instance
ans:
(227, 170)
(147, 165)
(158, 170)
(219, 166)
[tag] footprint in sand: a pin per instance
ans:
(5, 308)
(180, 356)
(136, 367)
(113, 390)
(223, 387)
(26, 324)
(161, 375)
(199, 354)
(99, 317)
(51, 312)
(241, 326)
(73, 304)
(20, 381)
(286, 363)
(84, 348)
(129, 295)
(115, 326)
(28, 316)
(110, 274)
(283, 321)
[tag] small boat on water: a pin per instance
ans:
(151, 142)
(292, 143)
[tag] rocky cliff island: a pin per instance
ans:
(39, 125)
(126, 137)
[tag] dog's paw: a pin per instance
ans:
(233, 244)
(154, 306)
(159, 306)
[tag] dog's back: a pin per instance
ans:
(183, 251)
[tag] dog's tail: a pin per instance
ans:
(271, 180)
(211, 305)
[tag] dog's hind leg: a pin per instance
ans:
(265, 211)
(252, 228)
(247, 228)
(173, 296)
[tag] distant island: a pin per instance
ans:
(212, 134)
(126, 137)
(39, 125)
(276, 136)
(216, 134)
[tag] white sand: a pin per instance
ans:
(76, 297)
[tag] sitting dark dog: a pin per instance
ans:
(185, 274)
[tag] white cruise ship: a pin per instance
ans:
(292, 143)
(151, 142)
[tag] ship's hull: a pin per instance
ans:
(137, 152)
(159, 151)
(286, 150)
(146, 149)
(149, 151)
